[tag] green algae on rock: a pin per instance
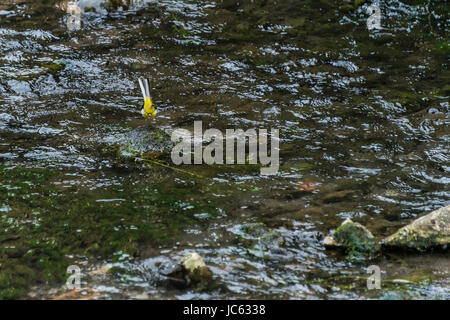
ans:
(424, 233)
(357, 240)
(145, 142)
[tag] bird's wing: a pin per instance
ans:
(143, 89)
(147, 87)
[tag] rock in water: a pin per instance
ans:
(329, 242)
(145, 139)
(145, 142)
(429, 231)
(175, 274)
(259, 240)
(196, 268)
(357, 240)
(190, 272)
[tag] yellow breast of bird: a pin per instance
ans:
(149, 109)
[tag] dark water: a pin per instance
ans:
(363, 113)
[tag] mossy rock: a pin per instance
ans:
(145, 142)
(259, 240)
(424, 233)
(357, 240)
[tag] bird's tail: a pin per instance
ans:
(144, 83)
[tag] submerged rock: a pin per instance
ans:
(329, 242)
(254, 230)
(175, 275)
(339, 196)
(195, 267)
(260, 240)
(145, 142)
(191, 271)
(356, 240)
(429, 231)
(45, 65)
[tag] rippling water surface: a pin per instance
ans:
(363, 117)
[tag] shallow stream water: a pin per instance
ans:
(363, 118)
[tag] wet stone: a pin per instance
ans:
(174, 274)
(357, 241)
(196, 268)
(330, 242)
(260, 240)
(190, 272)
(427, 232)
(338, 196)
(145, 142)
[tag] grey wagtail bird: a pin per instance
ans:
(148, 109)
